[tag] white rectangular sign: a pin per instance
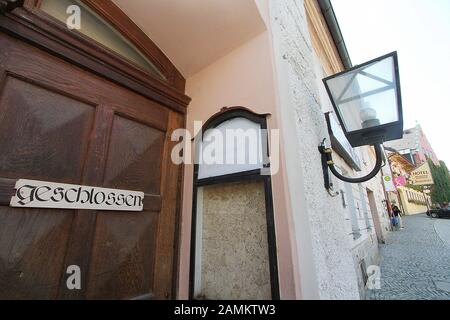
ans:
(344, 149)
(389, 184)
(41, 194)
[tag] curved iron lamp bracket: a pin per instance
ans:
(328, 163)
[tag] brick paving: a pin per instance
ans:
(415, 261)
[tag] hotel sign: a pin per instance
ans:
(41, 194)
(421, 176)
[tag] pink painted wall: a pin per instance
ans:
(426, 149)
(243, 77)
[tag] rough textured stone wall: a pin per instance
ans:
(298, 84)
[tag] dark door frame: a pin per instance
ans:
(253, 175)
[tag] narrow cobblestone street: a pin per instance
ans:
(415, 261)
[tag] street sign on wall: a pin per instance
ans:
(41, 194)
(389, 184)
(400, 181)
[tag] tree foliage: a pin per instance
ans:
(414, 187)
(440, 193)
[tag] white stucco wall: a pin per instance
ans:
(326, 263)
(335, 253)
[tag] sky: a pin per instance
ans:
(419, 30)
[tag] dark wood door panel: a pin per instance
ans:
(32, 249)
(44, 135)
(123, 255)
(124, 245)
(61, 123)
(134, 157)
(36, 65)
(36, 127)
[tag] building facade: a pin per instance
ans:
(409, 200)
(413, 201)
(414, 146)
(117, 89)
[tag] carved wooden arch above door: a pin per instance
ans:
(35, 26)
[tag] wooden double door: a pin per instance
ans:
(61, 123)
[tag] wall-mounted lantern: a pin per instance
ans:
(367, 102)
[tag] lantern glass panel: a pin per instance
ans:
(366, 97)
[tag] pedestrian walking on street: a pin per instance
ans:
(396, 212)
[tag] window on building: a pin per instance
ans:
(365, 207)
(351, 207)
